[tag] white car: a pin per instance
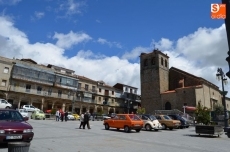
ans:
(24, 112)
(70, 116)
(150, 122)
(4, 104)
(30, 108)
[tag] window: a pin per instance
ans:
(166, 63)
(93, 89)
(99, 98)
(39, 90)
(112, 92)
(3, 83)
(153, 61)
(145, 62)
(49, 91)
(79, 86)
(59, 93)
(86, 87)
(6, 70)
(99, 89)
(162, 62)
(126, 88)
(28, 87)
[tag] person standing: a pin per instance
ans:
(62, 115)
(66, 115)
(86, 120)
(82, 121)
(57, 115)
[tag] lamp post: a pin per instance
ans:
(128, 102)
(74, 91)
(221, 76)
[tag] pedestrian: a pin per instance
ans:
(66, 115)
(86, 120)
(62, 116)
(57, 115)
(82, 121)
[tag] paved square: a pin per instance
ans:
(52, 136)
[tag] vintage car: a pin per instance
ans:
(127, 122)
(14, 127)
(76, 116)
(167, 122)
(150, 122)
(184, 123)
(38, 114)
(23, 112)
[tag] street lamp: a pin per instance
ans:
(221, 76)
(74, 91)
(128, 102)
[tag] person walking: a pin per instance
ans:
(62, 116)
(82, 121)
(66, 115)
(57, 115)
(86, 120)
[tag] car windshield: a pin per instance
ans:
(41, 112)
(167, 117)
(151, 117)
(134, 117)
(10, 115)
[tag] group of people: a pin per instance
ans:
(60, 115)
(84, 118)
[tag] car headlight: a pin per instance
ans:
(2, 131)
(27, 130)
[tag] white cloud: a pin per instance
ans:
(72, 7)
(66, 41)
(39, 15)
(199, 53)
(9, 2)
(110, 44)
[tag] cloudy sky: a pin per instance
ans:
(102, 39)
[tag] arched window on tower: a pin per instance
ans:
(153, 60)
(162, 61)
(166, 63)
(146, 62)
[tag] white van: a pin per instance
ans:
(4, 104)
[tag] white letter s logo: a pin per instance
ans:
(215, 8)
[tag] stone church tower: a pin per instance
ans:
(154, 70)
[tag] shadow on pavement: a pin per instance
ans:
(3, 146)
(202, 136)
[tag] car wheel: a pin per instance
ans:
(7, 107)
(171, 128)
(118, 128)
(138, 130)
(44, 118)
(106, 126)
(148, 127)
(164, 126)
(127, 129)
(156, 129)
(31, 117)
(181, 127)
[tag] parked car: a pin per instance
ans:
(167, 122)
(14, 127)
(150, 122)
(70, 116)
(38, 114)
(76, 116)
(183, 122)
(23, 112)
(4, 104)
(127, 122)
(29, 108)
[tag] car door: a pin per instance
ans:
(27, 107)
(2, 104)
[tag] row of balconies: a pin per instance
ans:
(58, 95)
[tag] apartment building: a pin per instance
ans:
(53, 87)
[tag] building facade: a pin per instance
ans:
(52, 87)
(165, 89)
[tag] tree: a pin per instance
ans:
(203, 115)
(141, 110)
(218, 109)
